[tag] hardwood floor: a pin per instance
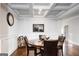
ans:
(69, 50)
(20, 52)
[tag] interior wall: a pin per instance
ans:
(73, 28)
(70, 18)
(0, 19)
(0, 46)
(26, 27)
(59, 26)
(3, 29)
(8, 34)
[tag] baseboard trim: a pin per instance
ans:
(13, 52)
(72, 42)
(3, 54)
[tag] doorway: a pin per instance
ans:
(66, 33)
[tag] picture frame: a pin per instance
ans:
(38, 27)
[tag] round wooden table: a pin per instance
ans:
(37, 45)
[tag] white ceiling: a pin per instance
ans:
(48, 10)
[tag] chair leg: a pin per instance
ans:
(35, 51)
(62, 51)
(27, 52)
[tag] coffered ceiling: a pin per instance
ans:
(48, 10)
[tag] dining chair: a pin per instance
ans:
(28, 45)
(21, 42)
(61, 40)
(42, 38)
(50, 48)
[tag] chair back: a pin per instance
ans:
(61, 39)
(21, 41)
(50, 48)
(26, 40)
(43, 37)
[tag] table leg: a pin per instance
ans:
(35, 51)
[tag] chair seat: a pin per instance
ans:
(60, 43)
(60, 47)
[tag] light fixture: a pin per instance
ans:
(42, 7)
(39, 11)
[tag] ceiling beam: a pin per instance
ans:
(52, 4)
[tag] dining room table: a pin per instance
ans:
(38, 44)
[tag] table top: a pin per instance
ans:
(39, 43)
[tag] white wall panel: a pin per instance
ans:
(8, 34)
(25, 27)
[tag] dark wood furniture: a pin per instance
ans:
(21, 42)
(38, 45)
(61, 40)
(43, 37)
(29, 46)
(50, 48)
(35, 50)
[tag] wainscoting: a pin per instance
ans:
(12, 41)
(4, 44)
(0, 46)
(8, 43)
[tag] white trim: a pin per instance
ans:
(49, 8)
(74, 43)
(0, 46)
(12, 51)
(6, 37)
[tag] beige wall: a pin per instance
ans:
(0, 46)
(0, 19)
(8, 34)
(3, 29)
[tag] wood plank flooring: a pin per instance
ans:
(20, 52)
(69, 50)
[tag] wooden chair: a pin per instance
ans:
(50, 48)
(61, 40)
(28, 46)
(42, 38)
(21, 42)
